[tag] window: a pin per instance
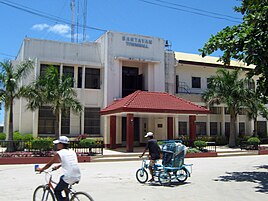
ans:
(182, 128)
(177, 84)
(196, 82)
(92, 78)
(65, 122)
(213, 128)
(201, 128)
(262, 129)
(43, 68)
(68, 71)
(92, 121)
(227, 129)
(46, 121)
(79, 77)
(241, 128)
(226, 110)
(215, 110)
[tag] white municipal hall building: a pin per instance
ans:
(128, 84)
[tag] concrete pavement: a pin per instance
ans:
(217, 178)
(120, 154)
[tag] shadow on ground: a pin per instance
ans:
(258, 177)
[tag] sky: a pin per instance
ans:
(187, 24)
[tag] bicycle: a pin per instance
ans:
(142, 174)
(46, 192)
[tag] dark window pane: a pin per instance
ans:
(65, 122)
(242, 128)
(43, 68)
(79, 77)
(213, 128)
(182, 128)
(92, 78)
(92, 121)
(68, 71)
(46, 121)
(201, 128)
(196, 82)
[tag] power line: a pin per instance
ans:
(188, 11)
(8, 55)
(197, 9)
(43, 14)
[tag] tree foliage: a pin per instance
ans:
(228, 88)
(53, 90)
(246, 42)
(10, 78)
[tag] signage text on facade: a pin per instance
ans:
(137, 42)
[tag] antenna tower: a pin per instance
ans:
(73, 15)
(85, 20)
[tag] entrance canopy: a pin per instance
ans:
(153, 102)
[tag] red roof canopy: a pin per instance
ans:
(153, 102)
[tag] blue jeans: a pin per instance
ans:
(59, 188)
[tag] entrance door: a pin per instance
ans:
(131, 80)
(136, 131)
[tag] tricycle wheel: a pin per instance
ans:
(181, 175)
(164, 178)
(142, 175)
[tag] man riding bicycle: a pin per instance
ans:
(69, 164)
(154, 152)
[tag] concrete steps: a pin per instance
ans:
(117, 157)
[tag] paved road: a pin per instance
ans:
(213, 179)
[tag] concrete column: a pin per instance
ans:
(113, 132)
(192, 125)
(170, 131)
(130, 132)
(208, 125)
(223, 122)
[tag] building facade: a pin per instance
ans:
(109, 69)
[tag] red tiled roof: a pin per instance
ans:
(153, 102)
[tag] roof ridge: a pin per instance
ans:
(133, 96)
(186, 101)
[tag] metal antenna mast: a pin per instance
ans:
(73, 15)
(85, 20)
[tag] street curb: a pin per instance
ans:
(35, 160)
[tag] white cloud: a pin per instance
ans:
(40, 27)
(60, 29)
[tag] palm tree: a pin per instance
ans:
(255, 106)
(226, 87)
(10, 77)
(55, 91)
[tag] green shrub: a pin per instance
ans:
(42, 144)
(193, 150)
(17, 136)
(87, 143)
(200, 144)
(2, 136)
(27, 137)
(253, 141)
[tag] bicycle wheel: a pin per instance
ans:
(142, 175)
(43, 193)
(164, 178)
(181, 175)
(81, 196)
